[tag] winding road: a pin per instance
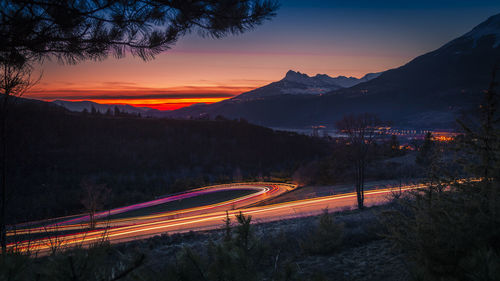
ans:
(71, 232)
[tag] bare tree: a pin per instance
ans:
(15, 80)
(93, 199)
(360, 131)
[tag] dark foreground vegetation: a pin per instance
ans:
(286, 250)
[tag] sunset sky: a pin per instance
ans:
(347, 37)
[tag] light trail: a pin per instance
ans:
(262, 190)
(208, 217)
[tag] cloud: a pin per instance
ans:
(119, 84)
(136, 93)
(137, 97)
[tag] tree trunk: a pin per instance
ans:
(362, 185)
(359, 185)
(92, 220)
(3, 193)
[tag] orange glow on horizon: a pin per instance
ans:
(160, 104)
(157, 98)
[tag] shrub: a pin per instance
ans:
(326, 238)
(451, 235)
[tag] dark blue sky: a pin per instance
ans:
(398, 29)
(391, 4)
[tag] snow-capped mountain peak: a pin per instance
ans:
(295, 76)
(295, 83)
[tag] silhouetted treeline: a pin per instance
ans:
(51, 151)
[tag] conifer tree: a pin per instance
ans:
(77, 30)
(424, 156)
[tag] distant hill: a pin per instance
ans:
(429, 91)
(80, 106)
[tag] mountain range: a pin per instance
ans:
(430, 91)
(296, 83)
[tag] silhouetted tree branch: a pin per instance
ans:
(78, 30)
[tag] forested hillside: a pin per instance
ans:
(51, 151)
